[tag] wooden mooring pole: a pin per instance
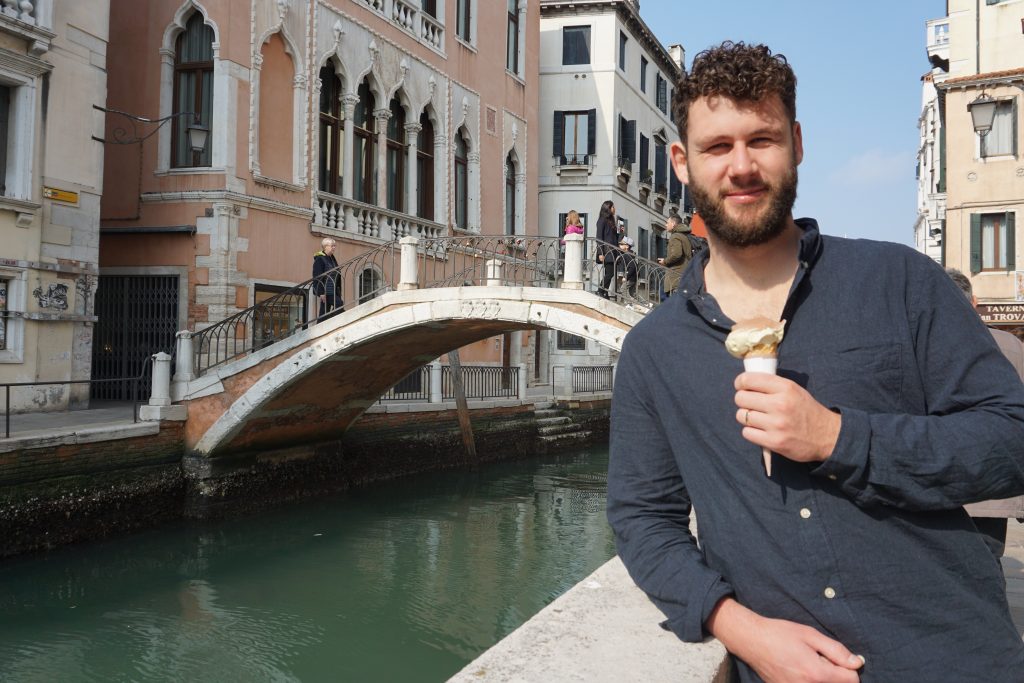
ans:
(461, 406)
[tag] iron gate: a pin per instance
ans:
(138, 316)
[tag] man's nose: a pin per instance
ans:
(742, 163)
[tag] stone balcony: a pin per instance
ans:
(408, 15)
(30, 20)
(340, 217)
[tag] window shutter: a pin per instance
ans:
(592, 131)
(561, 223)
(975, 243)
(675, 188)
(1011, 241)
(1013, 127)
(559, 133)
(631, 140)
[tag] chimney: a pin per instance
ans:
(678, 55)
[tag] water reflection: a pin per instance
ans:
(404, 581)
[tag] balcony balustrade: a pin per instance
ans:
(349, 216)
(408, 15)
(22, 10)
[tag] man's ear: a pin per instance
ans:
(798, 143)
(678, 154)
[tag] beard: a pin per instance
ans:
(754, 229)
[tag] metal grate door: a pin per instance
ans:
(138, 316)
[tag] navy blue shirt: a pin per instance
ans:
(871, 546)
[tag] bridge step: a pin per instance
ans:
(553, 420)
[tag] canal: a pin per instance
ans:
(403, 581)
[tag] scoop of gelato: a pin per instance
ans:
(755, 337)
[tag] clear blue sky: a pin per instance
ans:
(858, 67)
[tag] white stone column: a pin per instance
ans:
(493, 273)
(515, 355)
(382, 116)
(412, 133)
(159, 406)
(435, 381)
(520, 190)
(522, 381)
(348, 103)
(442, 179)
(409, 274)
(473, 190)
(160, 391)
(573, 277)
(184, 371)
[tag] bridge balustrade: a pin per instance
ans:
(412, 262)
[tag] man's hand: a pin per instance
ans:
(661, 261)
(323, 297)
(779, 414)
(782, 651)
(600, 258)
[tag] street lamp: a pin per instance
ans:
(983, 113)
(197, 133)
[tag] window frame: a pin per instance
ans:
(567, 341)
(583, 28)
(425, 169)
(576, 158)
(1004, 239)
(364, 176)
(510, 196)
(643, 73)
(460, 170)
(203, 71)
(334, 123)
(13, 350)
(1004, 104)
(394, 158)
(464, 20)
(512, 38)
(623, 41)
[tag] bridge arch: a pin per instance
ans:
(312, 385)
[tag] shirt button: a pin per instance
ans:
(830, 592)
(805, 513)
(832, 477)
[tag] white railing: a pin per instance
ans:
(431, 32)
(407, 15)
(335, 213)
(23, 10)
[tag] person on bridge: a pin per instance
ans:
(891, 409)
(608, 237)
(327, 283)
(678, 251)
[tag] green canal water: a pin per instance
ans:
(403, 581)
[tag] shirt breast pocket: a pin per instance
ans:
(868, 378)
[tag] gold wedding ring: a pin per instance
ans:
(746, 417)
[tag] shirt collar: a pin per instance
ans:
(692, 283)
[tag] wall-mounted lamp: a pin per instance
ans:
(197, 133)
(983, 113)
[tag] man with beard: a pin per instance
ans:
(892, 408)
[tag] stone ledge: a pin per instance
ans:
(602, 629)
(103, 432)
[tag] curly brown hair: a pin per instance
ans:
(745, 73)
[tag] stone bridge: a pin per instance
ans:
(310, 385)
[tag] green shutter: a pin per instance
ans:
(942, 159)
(975, 243)
(592, 132)
(558, 134)
(1011, 240)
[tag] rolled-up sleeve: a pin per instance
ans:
(649, 508)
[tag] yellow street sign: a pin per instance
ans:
(60, 195)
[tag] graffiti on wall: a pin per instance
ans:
(55, 297)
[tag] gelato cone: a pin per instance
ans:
(757, 341)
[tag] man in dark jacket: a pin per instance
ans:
(327, 285)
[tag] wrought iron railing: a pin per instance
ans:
(482, 381)
(135, 383)
(503, 260)
(414, 387)
(591, 378)
(624, 162)
(261, 325)
(573, 159)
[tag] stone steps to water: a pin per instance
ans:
(554, 426)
